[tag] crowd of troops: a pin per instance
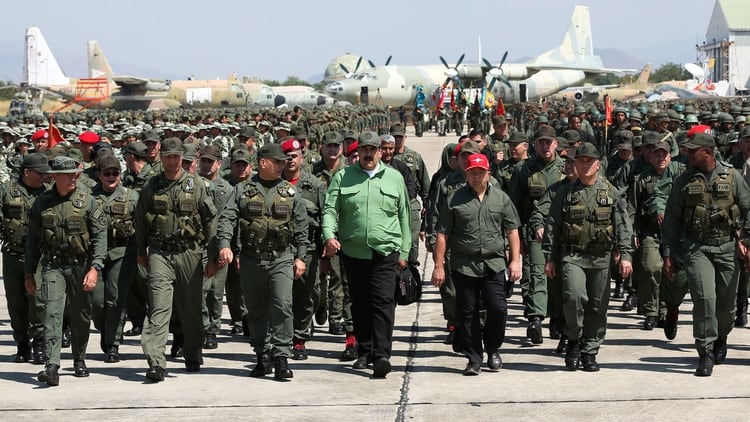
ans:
(153, 217)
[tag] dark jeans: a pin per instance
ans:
(469, 333)
(372, 287)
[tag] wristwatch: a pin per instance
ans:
(97, 267)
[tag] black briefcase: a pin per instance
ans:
(408, 286)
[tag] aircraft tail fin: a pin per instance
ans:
(98, 64)
(576, 49)
(642, 80)
(40, 67)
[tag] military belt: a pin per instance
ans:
(711, 241)
(66, 259)
(173, 246)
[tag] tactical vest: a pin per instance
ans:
(121, 228)
(710, 214)
(536, 185)
(66, 233)
(643, 220)
(266, 232)
(175, 219)
(588, 227)
(15, 220)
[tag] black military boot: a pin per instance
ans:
(618, 292)
(534, 331)
(177, 349)
(281, 369)
(66, 338)
(720, 350)
(112, 355)
(588, 362)
(37, 347)
(23, 353)
(554, 329)
(572, 356)
(705, 365)
(741, 315)
(562, 345)
(670, 324)
(80, 370)
(263, 366)
(50, 375)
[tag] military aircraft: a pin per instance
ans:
(615, 92)
(552, 71)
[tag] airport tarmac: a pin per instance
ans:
(643, 376)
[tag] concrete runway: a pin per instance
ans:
(643, 376)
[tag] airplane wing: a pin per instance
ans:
(588, 70)
(131, 81)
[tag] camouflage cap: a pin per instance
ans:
(247, 132)
(625, 146)
(75, 154)
(651, 138)
(332, 138)
(108, 161)
(700, 140)
(272, 151)
(662, 145)
(571, 135)
(622, 136)
(368, 138)
(467, 147)
(348, 134)
(36, 161)
(499, 120)
(547, 132)
(241, 155)
(151, 136)
(211, 152)
(587, 149)
(137, 148)
(64, 164)
(517, 137)
(172, 146)
(299, 133)
(189, 151)
(397, 129)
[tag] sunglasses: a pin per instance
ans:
(113, 173)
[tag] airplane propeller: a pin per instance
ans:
(387, 62)
(356, 68)
(497, 71)
(451, 73)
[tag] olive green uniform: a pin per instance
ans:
(174, 219)
(69, 235)
(273, 231)
(118, 274)
(213, 287)
(703, 213)
(26, 313)
(584, 225)
(422, 180)
(526, 188)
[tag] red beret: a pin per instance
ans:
(289, 145)
(88, 137)
(40, 134)
(352, 148)
(699, 129)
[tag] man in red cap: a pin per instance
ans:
(40, 139)
(87, 141)
(478, 217)
(305, 291)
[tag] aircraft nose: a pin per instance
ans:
(334, 88)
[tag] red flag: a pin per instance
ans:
(500, 110)
(453, 99)
(54, 135)
(440, 100)
(608, 109)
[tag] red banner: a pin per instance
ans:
(54, 135)
(500, 110)
(608, 109)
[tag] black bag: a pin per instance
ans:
(408, 286)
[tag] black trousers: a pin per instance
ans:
(372, 287)
(469, 333)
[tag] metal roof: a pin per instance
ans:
(736, 13)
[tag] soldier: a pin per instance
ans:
(273, 238)
(421, 178)
(68, 232)
(213, 287)
(174, 222)
(306, 290)
(518, 146)
(109, 297)
(704, 218)
(26, 318)
(152, 140)
(479, 217)
(498, 139)
(418, 121)
(526, 188)
(586, 222)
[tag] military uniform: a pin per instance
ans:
(69, 234)
(120, 267)
(585, 223)
(273, 231)
(26, 313)
(704, 213)
(174, 222)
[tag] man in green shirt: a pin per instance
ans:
(366, 218)
(473, 224)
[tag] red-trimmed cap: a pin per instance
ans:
(289, 145)
(88, 137)
(352, 148)
(699, 129)
(477, 161)
(40, 134)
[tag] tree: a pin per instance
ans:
(669, 72)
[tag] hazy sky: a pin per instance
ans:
(275, 39)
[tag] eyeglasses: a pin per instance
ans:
(114, 173)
